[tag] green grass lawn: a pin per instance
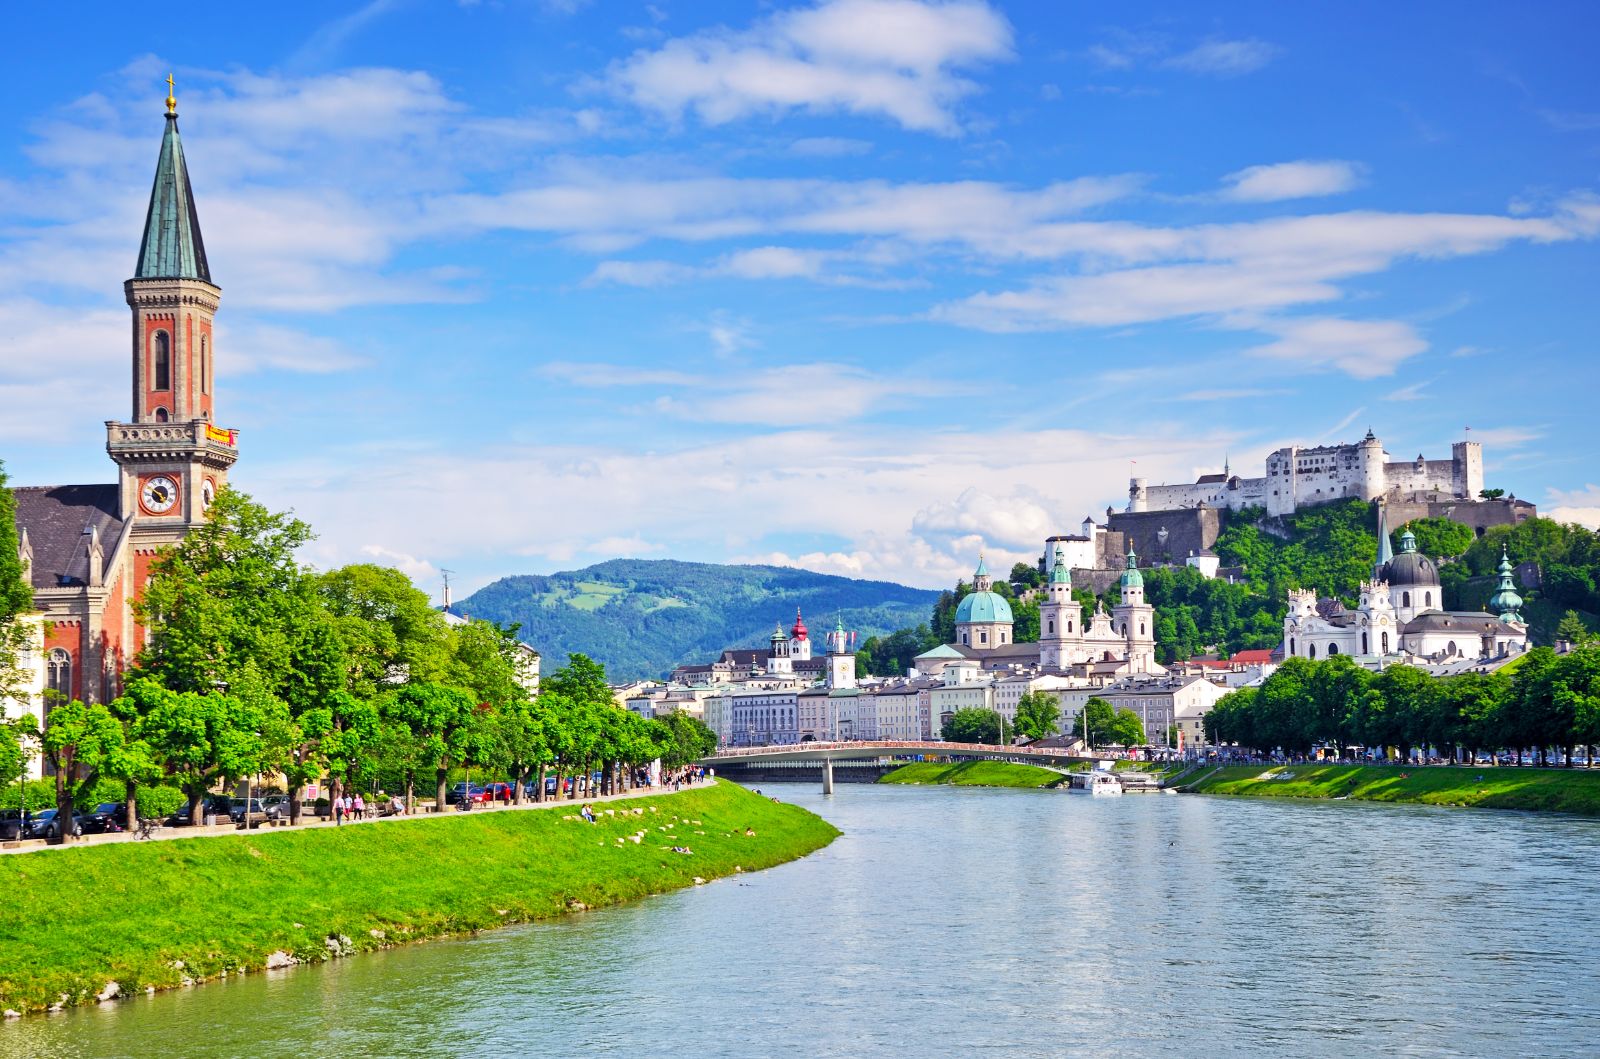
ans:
(975, 774)
(155, 913)
(1550, 790)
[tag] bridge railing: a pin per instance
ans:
(900, 745)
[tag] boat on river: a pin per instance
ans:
(1098, 783)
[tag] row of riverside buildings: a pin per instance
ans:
(781, 694)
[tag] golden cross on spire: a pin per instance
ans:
(172, 100)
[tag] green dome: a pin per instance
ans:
(984, 608)
(1506, 602)
(1131, 577)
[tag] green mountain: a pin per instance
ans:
(641, 617)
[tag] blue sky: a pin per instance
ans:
(858, 285)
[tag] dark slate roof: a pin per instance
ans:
(172, 247)
(1474, 623)
(1410, 568)
(57, 518)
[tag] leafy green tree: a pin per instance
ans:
(1571, 628)
(15, 738)
(1126, 729)
(1037, 714)
(1491, 494)
(79, 740)
(228, 594)
(444, 723)
(200, 740)
(1025, 576)
(16, 597)
(1440, 538)
(974, 725)
(1101, 715)
(388, 627)
(688, 740)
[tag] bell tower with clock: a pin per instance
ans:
(172, 456)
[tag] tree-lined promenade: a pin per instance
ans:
(256, 665)
(1549, 705)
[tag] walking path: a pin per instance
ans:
(167, 834)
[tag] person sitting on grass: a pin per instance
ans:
(588, 813)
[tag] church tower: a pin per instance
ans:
(1059, 618)
(171, 456)
(1134, 619)
(841, 658)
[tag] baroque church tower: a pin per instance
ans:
(87, 549)
(172, 458)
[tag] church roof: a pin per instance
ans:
(172, 247)
(1471, 623)
(58, 519)
(1410, 567)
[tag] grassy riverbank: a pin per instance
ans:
(165, 914)
(1547, 790)
(975, 774)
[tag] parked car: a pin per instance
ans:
(277, 803)
(497, 792)
(257, 810)
(213, 805)
(464, 790)
(106, 818)
(45, 825)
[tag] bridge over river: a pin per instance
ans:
(824, 755)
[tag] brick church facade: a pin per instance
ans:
(87, 549)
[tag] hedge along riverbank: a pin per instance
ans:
(1542, 790)
(975, 774)
(166, 914)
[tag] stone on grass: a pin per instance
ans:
(110, 992)
(279, 959)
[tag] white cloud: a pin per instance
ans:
(1225, 58)
(1364, 349)
(1578, 505)
(890, 58)
(1506, 437)
(857, 485)
(784, 396)
(420, 571)
(1290, 180)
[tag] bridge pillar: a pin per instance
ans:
(827, 775)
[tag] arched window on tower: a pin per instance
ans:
(1333, 649)
(58, 677)
(1385, 643)
(1312, 648)
(162, 362)
(1427, 599)
(1405, 599)
(161, 415)
(1364, 643)
(205, 365)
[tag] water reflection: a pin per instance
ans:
(953, 922)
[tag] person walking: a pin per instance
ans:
(338, 811)
(360, 806)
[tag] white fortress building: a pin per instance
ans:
(1304, 477)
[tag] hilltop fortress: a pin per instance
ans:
(1300, 477)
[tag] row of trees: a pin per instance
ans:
(1038, 714)
(1550, 701)
(255, 664)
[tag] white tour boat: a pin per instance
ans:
(1099, 782)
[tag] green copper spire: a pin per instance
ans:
(172, 247)
(1408, 542)
(1385, 552)
(1505, 602)
(1059, 574)
(1131, 577)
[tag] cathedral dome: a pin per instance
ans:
(984, 608)
(1410, 567)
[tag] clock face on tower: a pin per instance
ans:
(158, 495)
(208, 493)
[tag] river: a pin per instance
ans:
(961, 921)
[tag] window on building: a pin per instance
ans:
(1385, 643)
(1364, 649)
(162, 366)
(1405, 599)
(1333, 649)
(1052, 625)
(1427, 599)
(58, 676)
(205, 366)
(1311, 650)
(161, 415)
(983, 636)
